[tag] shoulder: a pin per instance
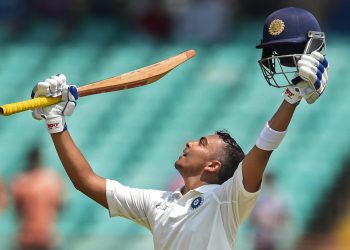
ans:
(234, 188)
(115, 187)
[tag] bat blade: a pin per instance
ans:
(132, 79)
(137, 77)
(114, 84)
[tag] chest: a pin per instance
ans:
(188, 213)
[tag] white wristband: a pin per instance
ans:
(269, 139)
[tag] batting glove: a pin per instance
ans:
(54, 114)
(299, 90)
(311, 80)
(292, 95)
(313, 69)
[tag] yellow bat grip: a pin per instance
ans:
(12, 108)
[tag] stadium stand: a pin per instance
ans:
(134, 136)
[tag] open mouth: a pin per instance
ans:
(184, 153)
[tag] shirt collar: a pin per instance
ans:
(202, 189)
(177, 193)
(206, 188)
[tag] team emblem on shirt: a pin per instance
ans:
(197, 202)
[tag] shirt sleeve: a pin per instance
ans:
(233, 192)
(130, 203)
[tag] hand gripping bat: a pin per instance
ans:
(132, 79)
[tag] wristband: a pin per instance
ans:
(269, 139)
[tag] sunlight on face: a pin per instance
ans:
(197, 154)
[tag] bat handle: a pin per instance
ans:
(13, 108)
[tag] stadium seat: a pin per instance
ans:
(136, 135)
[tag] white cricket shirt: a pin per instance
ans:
(207, 217)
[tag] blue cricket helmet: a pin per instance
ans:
(288, 26)
(288, 33)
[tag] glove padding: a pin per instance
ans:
(54, 114)
(52, 86)
(313, 69)
(311, 80)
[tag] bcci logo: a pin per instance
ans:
(276, 27)
(197, 202)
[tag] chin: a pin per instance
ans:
(177, 165)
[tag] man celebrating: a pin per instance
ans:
(221, 183)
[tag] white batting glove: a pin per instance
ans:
(311, 80)
(313, 69)
(50, 87)
(301, 89)
(292, 95)
(54, 114)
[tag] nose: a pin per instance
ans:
(189, 144)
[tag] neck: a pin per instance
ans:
(191, 183)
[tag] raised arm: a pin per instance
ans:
(312, 81)
(78, 169)
(255, 162)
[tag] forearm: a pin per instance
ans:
(78, 169)
(76, 166)
(255, 162)
(282, 117)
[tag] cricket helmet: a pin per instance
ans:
(288, 33)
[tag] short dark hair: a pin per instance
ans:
(230, 157)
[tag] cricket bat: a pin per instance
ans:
(132, 79)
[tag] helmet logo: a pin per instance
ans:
(276, 27)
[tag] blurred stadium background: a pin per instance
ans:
(134, 136)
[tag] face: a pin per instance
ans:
(198, 154)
